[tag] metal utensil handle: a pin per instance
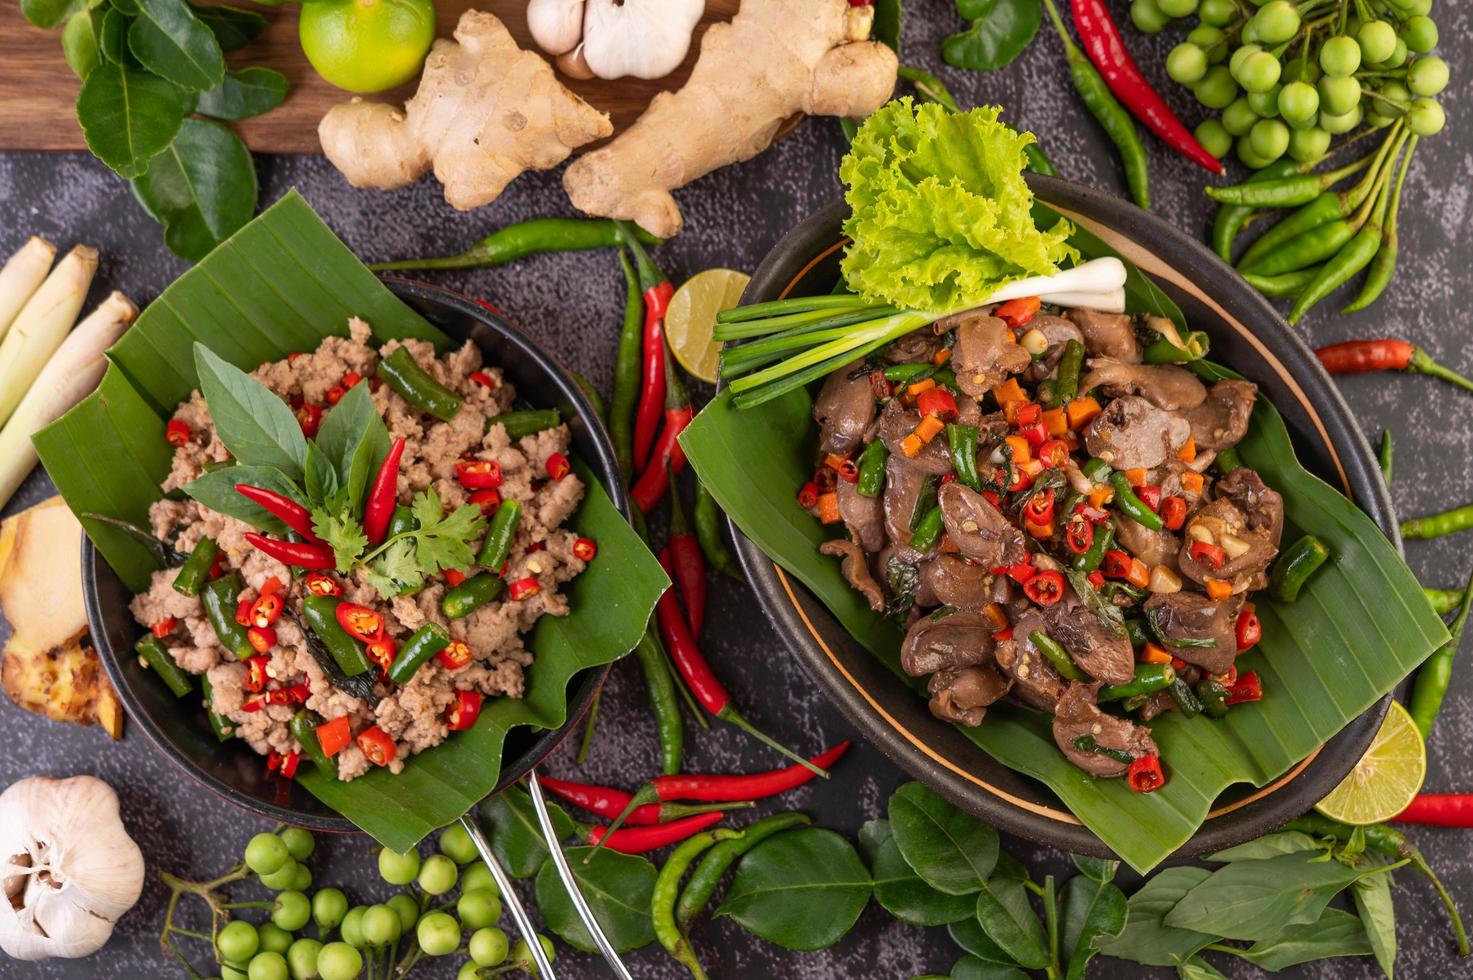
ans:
(509, 896)
(560, 861)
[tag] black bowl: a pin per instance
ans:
(1247, 335)
(231, 769)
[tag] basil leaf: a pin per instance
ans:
(354, 437)
(516, 837)
(49, 13)
(127, 116)
(1093, 908)
(1378, 915)
(233, 27)
(1146, 938)
(970, 936)
(1100, 869)
(1108, 614)
(1197, 968)
(171, 42)
(1009, 920)
(802, 889)
(1334, 933)
(972, 968)
(999, 32)
(618, 888)
(321, 477)
(201, 188)
(244, 93)
(902, 892)
(951, 850)
(216, 490)
(1271, 845)
(1248, 899)
(254, 424)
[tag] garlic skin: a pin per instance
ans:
(638, 38)
(68, 868)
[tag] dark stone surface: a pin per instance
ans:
(572, 302)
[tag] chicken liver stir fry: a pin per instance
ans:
(1052, 520)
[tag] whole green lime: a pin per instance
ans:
(367, 45)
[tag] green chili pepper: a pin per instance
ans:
(321, 614)
(1384, 456)
(401, 522)
(1057, 656)
(963, 443)
(946, 378)
(422, 644)
(195, 571)
(1131, 505)
(707, 516)
(1227, 460)
(1285, 192)
(1433, 677)
(1322, 210)
(220, 599)
(529, 237)
(525, 422)
(1097, 470)
(1103, 540)
(925, 500)
(667, 885)
(499, 535)
(1213, 695)
(1184, 698)
(1437, 525)
(659, 686)
(1294, 567)
(1312, 247)
(591, 393)
(156, 656)
(1135, 629)
(1383, 266)
(1163, 351)
(223, 727)
(1343, 266)
(928, 532)
(305, 732)
(1088, 743)
(1232, 217)
(713, 867)
(1066, 379)
(627, 369)
(1287, 286)
(910, 373)
(872, 469)
(400, 372)
(472, 594)
(1444, 601)
(1148, 679)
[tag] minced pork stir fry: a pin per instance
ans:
(1058, 521)
(360, 624)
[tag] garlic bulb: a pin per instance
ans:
(68, 868)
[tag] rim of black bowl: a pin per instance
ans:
(1289, 795)
(567, 394)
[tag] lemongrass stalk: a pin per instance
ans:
(42, 324)
(71, 373)
(1111, 302)
(21, 276)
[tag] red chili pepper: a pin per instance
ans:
(1385, 354)
(938, 402)
(881, 386)
(558, 466)
(652, 396)
(1105, 48)
(1115, 564)
(584, 549)
(1079, 535)
(483, 379)
(668, 458)
(1021, 481)
(1040, 508)
(1248, 688)
(261, 638)
(361, 623)
(1145, 775)
(267, 609)
(334, 736)
(688, 564)
(455, 656)
(321, 583)
(1053, 453)
(243, 611)
(523, 588)
(177, 433)
(1150, 496)
(1045, 588)
(164, 627)
(217, 567)
(1020, 573)
(285, 509)
(273, 760)
(1248, 630)
(464, 710)
(377, 745)
(1439, 810)
(487, 500)
(608, 802)
(309, 417)
(848, 471)
(382, 651)
(453, 577)
(1096, 579)
(808, 496)
(335, 394)
(637, 840)
(384, 494)
(255, 677)
(289, 765)
(254, 703)
(1173, 511)
(1029, 413)
(301, 554)
(1016, 312)
(478, 474)
(1209, 554)
(1035, 433)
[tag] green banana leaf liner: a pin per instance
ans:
(1358, 628)
(283, 283)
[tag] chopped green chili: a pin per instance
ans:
(1057, 656)
(872, 469)
(1294, 567)
(962, 440)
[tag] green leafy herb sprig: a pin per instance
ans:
(154, 84)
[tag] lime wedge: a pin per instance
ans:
(692, 317)
(1386, 778)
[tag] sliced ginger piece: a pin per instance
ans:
(775, 58)
(485, 111)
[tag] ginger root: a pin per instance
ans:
(775, 58)
(485, 111)
(48, 665)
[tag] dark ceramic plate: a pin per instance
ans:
(1246, 335)
(179, 728)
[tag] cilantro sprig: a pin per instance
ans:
(437, 542)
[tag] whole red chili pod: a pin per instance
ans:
(637, 840)
(688, 564)
(302, 554)
(657, 292)
(1439, 810)
(1385, 354)
(288, 511)
(383, 495)
(668, 457)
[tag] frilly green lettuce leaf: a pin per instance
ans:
(940, 212)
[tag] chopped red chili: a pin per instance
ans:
(382, 651)
(849, 471)
(255, 677)
(1016, 312)
(464, 710)
(350, 379)
(267, 609)
(254, 703)
(523, 588)
(808, 496)
(1209, 554)
(1035, 433)
(454, 576)
(1145, 775)
(1115, 564)
(376, 745)
(478, 474)
(309, 417)
(1249, 630)
(455, 656)
(558, 466)
(1150, 496)
(1021, 481)
(825, 479)
(1045, 588)
(361, 623)
(1029, 413)
(1040, 508)
(289, 765)
(334, 735)
(273, 760)
(164, 627)
(1173, 511)
(321, 583)
(1096, 579)
(584, 549)
(262, 638)
(1248, 688)
(487, 500)
(483, 379)
(938, 402)
(1020, 573)
(1053, 453)
(177, 433)
(243, 612)
(335, 394)
(880, 385)
(1079, 535)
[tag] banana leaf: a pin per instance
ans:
(283, 283)
(1359, 627)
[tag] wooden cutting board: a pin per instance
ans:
(38, 90)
